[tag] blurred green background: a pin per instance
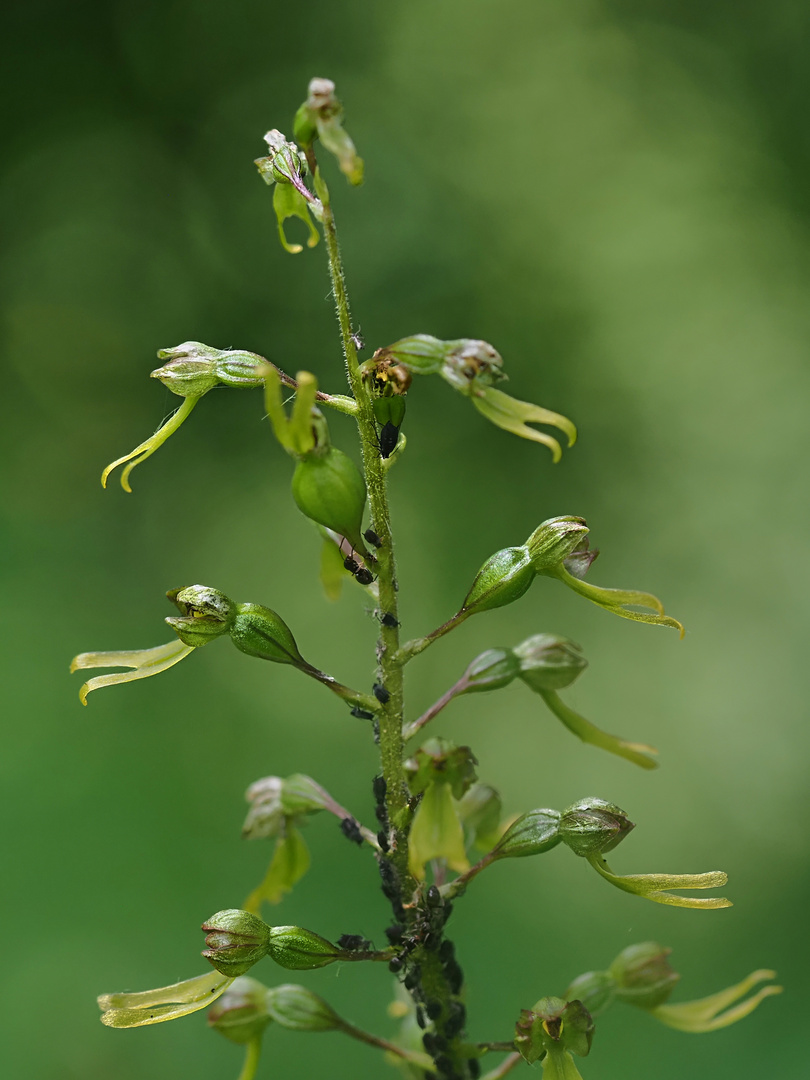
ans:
(615, 195)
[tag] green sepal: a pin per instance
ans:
(290, 862)
(297, 949)
(330, 490)
(236, 940)
(643, 976)
(436, 831)
(241, 1013)
(421, 354)
(503, 578)
(592, 825)
(206, 614)
(595, 989)
(298, 1009)
(480, 812)
(548, 662)
(258, 631)
(490, 670)
(331, 572)
(322, 113)
(533, 833)
(440, 761)
(553, 1026)
(554, 540)
(295, 433)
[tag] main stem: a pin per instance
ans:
(390, 668)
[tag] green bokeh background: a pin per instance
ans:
(615, 195)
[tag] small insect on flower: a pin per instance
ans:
(389, 620)
(361, 714)
(351, 564)
(372, 538)
(364, 576)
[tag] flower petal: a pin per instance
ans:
(707, 1014)
(618, 601)
(513, 415)
(147, 448)
(638, 753)
(653, 886)
(145, 662)
(165, 1003)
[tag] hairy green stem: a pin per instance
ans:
(390, 667)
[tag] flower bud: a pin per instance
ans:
(194, 368)
(236, 940)
(241, 1013)
(329, 489)
(643, 976)
(322, 115)
(440, 761)
(554, 1026)
(420, 354)
(503, 578)
(548, 662)
(275, 801)
(470, 363)
(592, 826)
(480, 813)
(297, 949)
(553, 541)
(532, 834)
(595, 989)
(298, 1009)
(490, 671)
(258, 631)
(206, 614)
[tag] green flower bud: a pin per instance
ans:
(241, 1013)
(207, 614)
(329, 489)
(298, 1009)
(420, 354)
(503, 578)
(194, 368)
(274, 801)
(258, 631)
(440, 761)
(553, 1027)
(595, 989)
(469, 364)
(285, 164)
(297, 949)
(322, 114)
(643, 976)
(480, 813)
(553, 541)
(490, 671)
(236, 940)
(532, 834)
(592, 826)
(548, 662)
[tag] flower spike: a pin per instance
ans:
(655, 886)
(165, 1003)
(718, 1010)
(143, 662)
